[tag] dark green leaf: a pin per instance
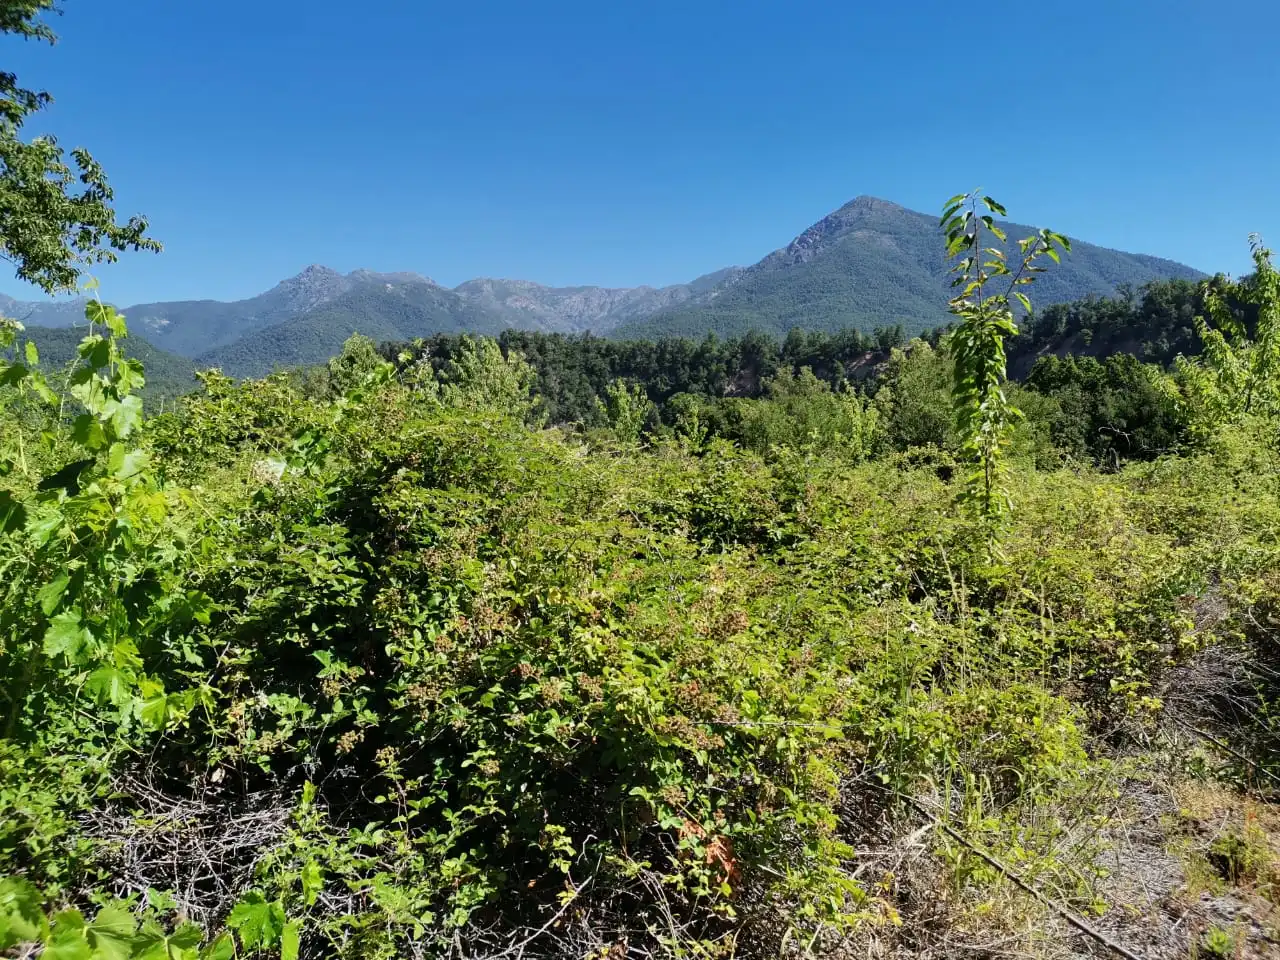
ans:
(109, 685)
(258, 922)
(127, 416)
(69, 940)
(111, 933)
(12, 373)
(50, 595)
(68, 478)
(123, 463)
(289, 940)
(95, 311)
(13, 514)
(22, 918)
(221, 948)
(115, 322)
(66, 635)
(88, 432)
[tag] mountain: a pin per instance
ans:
(197, 327)
(873, 263)
(191, 328)
(531, 306)
(373, 305)
(63, 312)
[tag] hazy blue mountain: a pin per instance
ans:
(196, 327)
(873, 263)
(373, 305)
(405, 306)
(62, 312)
(531, 306)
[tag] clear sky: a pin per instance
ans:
(617, 142)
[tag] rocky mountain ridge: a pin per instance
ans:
(869, 263)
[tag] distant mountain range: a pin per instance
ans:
(871, 263)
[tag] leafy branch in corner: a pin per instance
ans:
(55, 215)
(1243, 369)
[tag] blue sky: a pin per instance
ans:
(622, 143)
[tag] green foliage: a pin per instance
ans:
(479, 375)
(168, 376)
(49, 230)
(473, 674)
(984, 416)
(358, 361)
(28, 924)
(914, 395)
(798, 411)
(1114, 409)
(1155, 324)
(1238, 375)
(627, 410)
(84, 533)
(1218, 942)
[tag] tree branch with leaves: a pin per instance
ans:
(984, 416)
(1244, 370)
(56, 214)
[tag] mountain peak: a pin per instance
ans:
(315, 271)
(314, 284)
(853, 216)
(868, 204)
(402, 276)
(875, 263)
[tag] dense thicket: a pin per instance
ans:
(550, 648)
(574, 372)
(395, 672)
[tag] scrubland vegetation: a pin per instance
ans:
(373, 662)
(440, 650)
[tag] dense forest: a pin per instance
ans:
(548, 647)
(1096, 378)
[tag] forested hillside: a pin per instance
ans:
(1094, 375)
(374, 308)
(168, 376)
(873, 263)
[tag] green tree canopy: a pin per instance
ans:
(56, 212)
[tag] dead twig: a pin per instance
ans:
(1227, 749)
(1065, 913)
